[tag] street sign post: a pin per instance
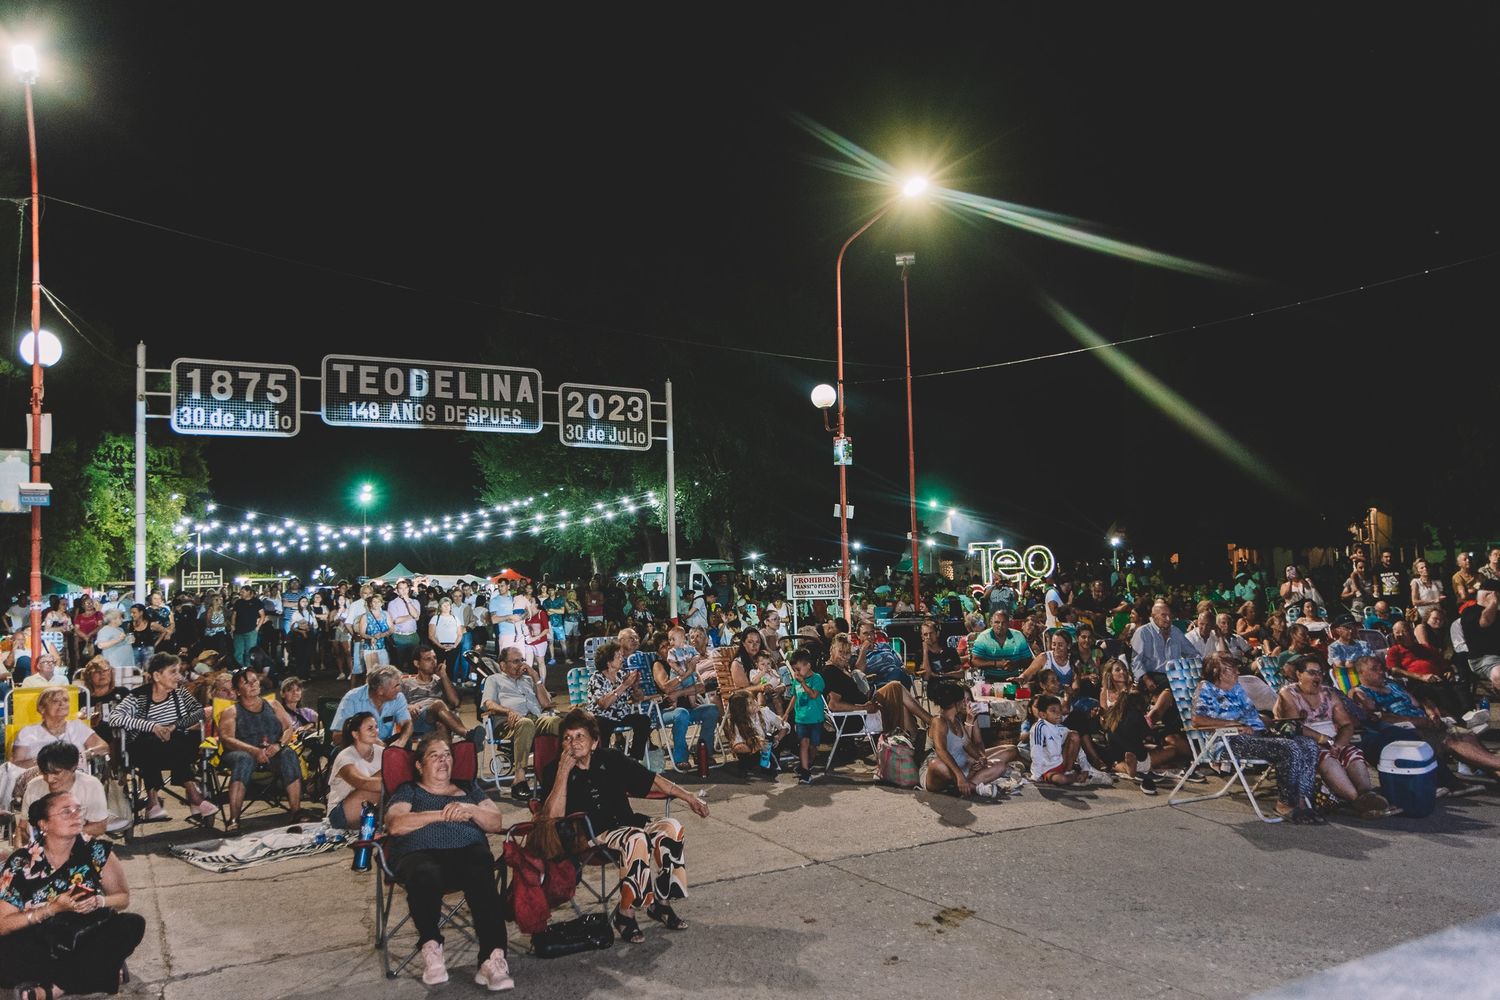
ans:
(603, 416)
(203, 579)
(235, 398)
(431, 395)
(812, 587)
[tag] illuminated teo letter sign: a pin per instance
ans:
(1037, 562)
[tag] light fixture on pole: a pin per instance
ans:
(905, 262)
(366, 497)
(1115, 541)
(23, 58)
(911, 189)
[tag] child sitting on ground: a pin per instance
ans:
(752, 732)
(1056, 757)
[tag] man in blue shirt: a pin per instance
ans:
(289, 599)
(381, 696)
(503, 617)
(1345, 649)
(878, 660)
(1159, 643)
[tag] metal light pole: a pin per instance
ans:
(24, 58)
(912, 188)
(366, 496)
(905, 261)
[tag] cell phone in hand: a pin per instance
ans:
(83, 892)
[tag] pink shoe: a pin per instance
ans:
(494, 972)
(434, 971)
(207, 808)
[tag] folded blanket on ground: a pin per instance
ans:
(261, 848)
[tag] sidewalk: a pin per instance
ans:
(846, 888)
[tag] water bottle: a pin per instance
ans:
(1484, 703)
(702, 759)
(366, 832)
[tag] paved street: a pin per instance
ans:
(847, 888)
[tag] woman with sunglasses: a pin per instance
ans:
(1325, 721)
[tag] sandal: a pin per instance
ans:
(1307, 817)
(663, 914)
(628, 927)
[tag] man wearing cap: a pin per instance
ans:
(1345, 649)
(1481, 630)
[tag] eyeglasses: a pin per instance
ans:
(67, 811)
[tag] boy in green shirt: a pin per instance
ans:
(806, 709)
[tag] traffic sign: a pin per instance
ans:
(814, 586)
(235, 398)
(431, 395)
(603, 416)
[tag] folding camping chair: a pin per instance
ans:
(843, 727)
(397, 767)
(1184, 676)
(261, 787)
(1270, 672)
(1377, 640)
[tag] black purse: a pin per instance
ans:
(590, 932)
(68, 934)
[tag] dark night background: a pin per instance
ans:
(622, 198)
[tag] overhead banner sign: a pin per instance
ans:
(235, 398)
(603, 416)
(433, 395)
(814, 587)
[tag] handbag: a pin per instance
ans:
(68, 934)
(895, 761)
(1288, 729)
(590, 932)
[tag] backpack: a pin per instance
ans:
(896, 761)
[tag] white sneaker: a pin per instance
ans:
(157, 811)
(987, 790)
(434, 969)
(494, 972)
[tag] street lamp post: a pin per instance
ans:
(24, 59)
(366, 497)
(905, 261)
(911, 189)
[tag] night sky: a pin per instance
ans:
(560, 191)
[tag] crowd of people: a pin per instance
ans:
(1314, 685)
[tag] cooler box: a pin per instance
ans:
(1408, 777)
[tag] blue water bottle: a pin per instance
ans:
(366, 832)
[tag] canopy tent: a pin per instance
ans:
(396, 572)
(450, 579)
(508, 574)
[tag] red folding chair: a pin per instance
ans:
(397, 767)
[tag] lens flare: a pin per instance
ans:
(1165, 399)
(864, 165)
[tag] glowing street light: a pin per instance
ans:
(364, 499)
(910, 190)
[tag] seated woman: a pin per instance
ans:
(58, 764)
(959, 760)
(1393, 714)
(98, 678)
(1414, 662)
(52, 706)
(68, 888)
(1086, 659)
(615, 697)
(897, 708)
(1058, 657)
(600, 782)
(438, 844)
(354, 777)
(1122, 719)
(254, 731)
(1310, 616)
(1340, 762)
(1221, 703)
(164, 727)
(752, 732)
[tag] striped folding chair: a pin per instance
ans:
(1184, 676)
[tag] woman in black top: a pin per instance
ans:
(600, 782)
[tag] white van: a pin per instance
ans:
(699, 574)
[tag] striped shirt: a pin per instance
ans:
(139, 714)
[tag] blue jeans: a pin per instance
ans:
(890, 672)
(707, 716)
(243, 643)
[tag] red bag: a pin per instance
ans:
(524, 900)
